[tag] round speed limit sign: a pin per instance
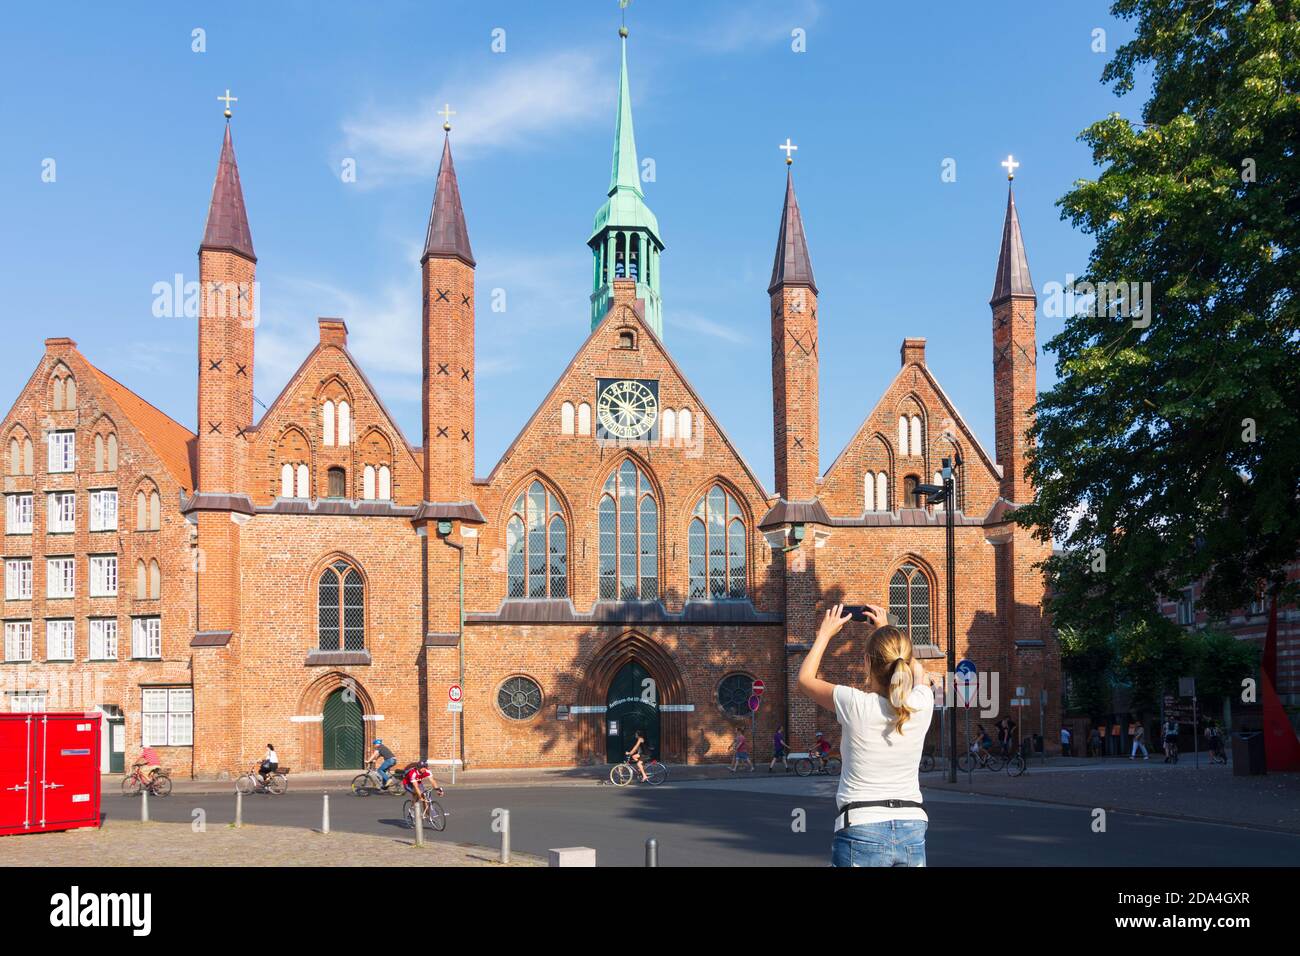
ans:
(453, 693)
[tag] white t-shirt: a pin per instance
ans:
(880, 763)
(271, 756)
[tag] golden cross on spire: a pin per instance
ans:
(1011, 167)
(446, 113)
(228, 99)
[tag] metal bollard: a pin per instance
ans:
(505, 836)
(144, 805)
(419, 824)
(652, 852)
(239, 809)
(325, 816)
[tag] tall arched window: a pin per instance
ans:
(684, 424)
(327, 422)
(566, 418)
(629, 537)
(882, 492)
(918, 439)
(155, 580)
(286, 480)
(341, 608)
(716, 541)
(368, 483)
(668, 425)
(302, 485)
(536, 546)
(584, 419)
(902, 435)
(345, 424)
(909, 603)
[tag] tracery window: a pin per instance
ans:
(341, 608)
(716, 547)
(629, 537)
(536, 546)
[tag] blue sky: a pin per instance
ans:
(882, 96)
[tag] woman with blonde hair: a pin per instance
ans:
(880, 820)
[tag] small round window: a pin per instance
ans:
(734, 693)
(519, 698)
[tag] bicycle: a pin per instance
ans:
(274, 783)
(621, 774)
(364, 783)
(158, 785)
(807, 763)
(927, 760)
(982, 758)
(433, 813)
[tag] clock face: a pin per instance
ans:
(627, 408)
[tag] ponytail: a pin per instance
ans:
(900, 688)
(889, 660)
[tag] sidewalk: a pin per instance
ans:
(129, 843)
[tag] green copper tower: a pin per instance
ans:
(625, 235)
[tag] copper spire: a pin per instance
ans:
(227, 228)
(791, 265)
(1013, 267)
(448, 236)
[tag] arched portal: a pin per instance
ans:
(632, 706)
(343, 732)
(599, 687)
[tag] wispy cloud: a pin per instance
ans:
(757, 24)
(526, 104)
(693, 322)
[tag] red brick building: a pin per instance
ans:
(314, 578)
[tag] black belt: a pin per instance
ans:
(892, 804)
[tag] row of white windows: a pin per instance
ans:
(61, 578)
(672, 424)
(61, 512)
(875, 492)
(911, 440)
(61, 639)
(166, 714)
(61, 453)
(63, 393)
(376, 482)
(336, 424)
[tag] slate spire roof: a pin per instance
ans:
(1013, 266)
(792, 266)
(227, 227)
(448, 236)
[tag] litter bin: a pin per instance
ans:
(1248, 754)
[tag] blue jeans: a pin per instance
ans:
(887, 843)
(383, 770)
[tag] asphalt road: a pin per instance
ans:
(708, 824)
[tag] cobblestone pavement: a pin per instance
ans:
(1179, 790)
(129, 843)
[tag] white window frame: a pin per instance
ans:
(18, 514)
(18, 641)
(61, 512)
(103, 639)
(167, 716)
(103, 575)
(103, 510)
(62, 454)
(64, 631)
(26, 700)
(146, 638)
(61, 577)
(18, 579)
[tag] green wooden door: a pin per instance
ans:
(632, 705)
(116, 746)
(343, 732)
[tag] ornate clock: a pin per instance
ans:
(627, 409)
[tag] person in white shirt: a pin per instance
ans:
(880, 821)
(270, 763)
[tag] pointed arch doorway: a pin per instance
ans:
(343, 732)
(632, 705)
(611, 688)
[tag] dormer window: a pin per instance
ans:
(626, 339)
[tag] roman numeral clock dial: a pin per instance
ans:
(627, 409)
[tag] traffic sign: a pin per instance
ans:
(965, 679)
(753, 703)
(759, 686)
(453, 693)
(455, 706)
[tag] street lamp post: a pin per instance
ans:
(936, 494)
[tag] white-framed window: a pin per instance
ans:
(60, 577)
(1186, 607)
(303, 488)
(146, 637)
(103, 639)
(23, 701)
(18, 641)
(18, 579)
(584, 418)
(902, 434)
(62, 512)
(368, 483)
(60, 640)
(18, 514)
(345, 425)
(327, 422)
(167, 717)
(103, 575)
(63, 452)
(103, 510)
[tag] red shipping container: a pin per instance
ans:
(49, 772)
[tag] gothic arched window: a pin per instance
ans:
(341, 608)
(716, 541)
(536, 546)
(909, 603)
(629, 537)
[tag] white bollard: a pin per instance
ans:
(505, 836)
(239, 809)
(325, 816)
(419, 824)
(144, 805)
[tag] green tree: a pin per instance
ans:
(1153, 653)
(1174, 443)
(1221, 663)
(1088, 659)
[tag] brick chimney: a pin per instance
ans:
(913, 352)
(333, 332)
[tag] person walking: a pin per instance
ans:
(779, 750)
(740, 751)
(1170, 735)
(1139, 736)
(880, 819)
(1065, 741)
(1094, 743)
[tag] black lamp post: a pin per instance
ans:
(945, 494)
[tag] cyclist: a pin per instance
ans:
(982, 743)
(270, 763)
(413, 782)
(634, 755)
(148, 764)
(821, 751)
(385, 755)
(1171, 741)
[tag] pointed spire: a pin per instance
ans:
(1013, 266)
(792, 266)
(626, 172)
(227, 227)
(448, 236)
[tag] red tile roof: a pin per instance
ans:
(170, 440)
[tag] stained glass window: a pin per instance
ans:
(536, 546)
(909, 603)
(629, 537)
(715, 542)
(341, 608)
